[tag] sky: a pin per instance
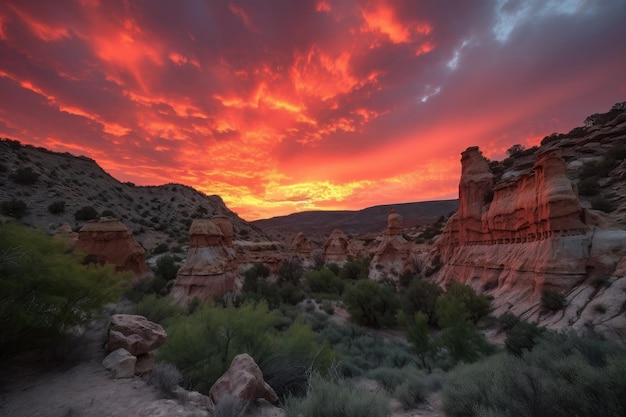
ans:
(281, 106)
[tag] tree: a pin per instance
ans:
(515, 149)
(421, 296)
(371, 304)
(86, 213)
(417, 335)
(45, 291)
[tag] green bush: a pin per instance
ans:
(203, 344)
(166, 267)
(290, 271)
(476, 306)
(421, 296)
(159, 310)
(25, 176)
(521, 337)
(558, 378)
(86, 213)
(324, 281)
(57, 207)
(371, 304)
(552, 300)
(45, 290)
(412, 390)
(337, 398)
(165, 378)
(14, 208)
(355, 269)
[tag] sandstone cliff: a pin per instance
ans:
(527, 229)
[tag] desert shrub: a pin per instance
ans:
(334, 268)
(45, 290)
(459, 337)
(290, 271)
(508, 320)
(602, 204)
(230, 406)
(14, 208)
(554, 379)
(86, 213)
(328, 307)
(552, 300)
(522, 336)
(371, 304)
(416, 330)
(166, 267)
(391, 377)
(25, 176)
(3, 167)
(421, 296)
(477, 306)
(203, 344)
(160, 248)
(337, 398)
(160, 310)
(108, 213)
(57, 207)
(412, 390)
(165, 378)
(588, 186)
(355, 269)
(324, 281)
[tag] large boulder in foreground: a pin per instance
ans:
(135, 334)
(243, 380)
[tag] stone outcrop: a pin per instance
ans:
(211, 265)
(111, 243)
(64, 233)
(336, 248)
(134, 336)
(134, 333)
(393, 253)
(300, 246)
(121, 363)
(529, 232)
(243, 380)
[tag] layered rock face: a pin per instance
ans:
(211, 265)
(528, 233)
(301, 247)
(336, 248)
(111, 242)
(393, 253)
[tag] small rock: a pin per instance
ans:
(121, 363)
(243, 380)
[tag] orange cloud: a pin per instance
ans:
(44, 31)
(382, 18)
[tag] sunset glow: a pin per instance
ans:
(282, 106)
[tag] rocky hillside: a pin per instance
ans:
(544, 231)
(47, 189)
(369, 220)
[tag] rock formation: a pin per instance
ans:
(64, 233)
(527, 233)
(243, 380)
(336, 248)
(211, 265)
(393, 253)
(300, 247)
(110, 241)
(135, 337)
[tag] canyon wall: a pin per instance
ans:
(527, 233)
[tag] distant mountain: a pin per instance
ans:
(38, 178)
(371, 219)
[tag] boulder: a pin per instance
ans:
(145, 363)
(243, 380)
(111, 243)
(135, 334)
(121, 363)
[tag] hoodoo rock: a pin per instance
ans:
(393, 253)
(337, 247)
(301, 247)
(243, 380)
(211, 265)
(64, 233)
(111, 242)
(528, 233)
